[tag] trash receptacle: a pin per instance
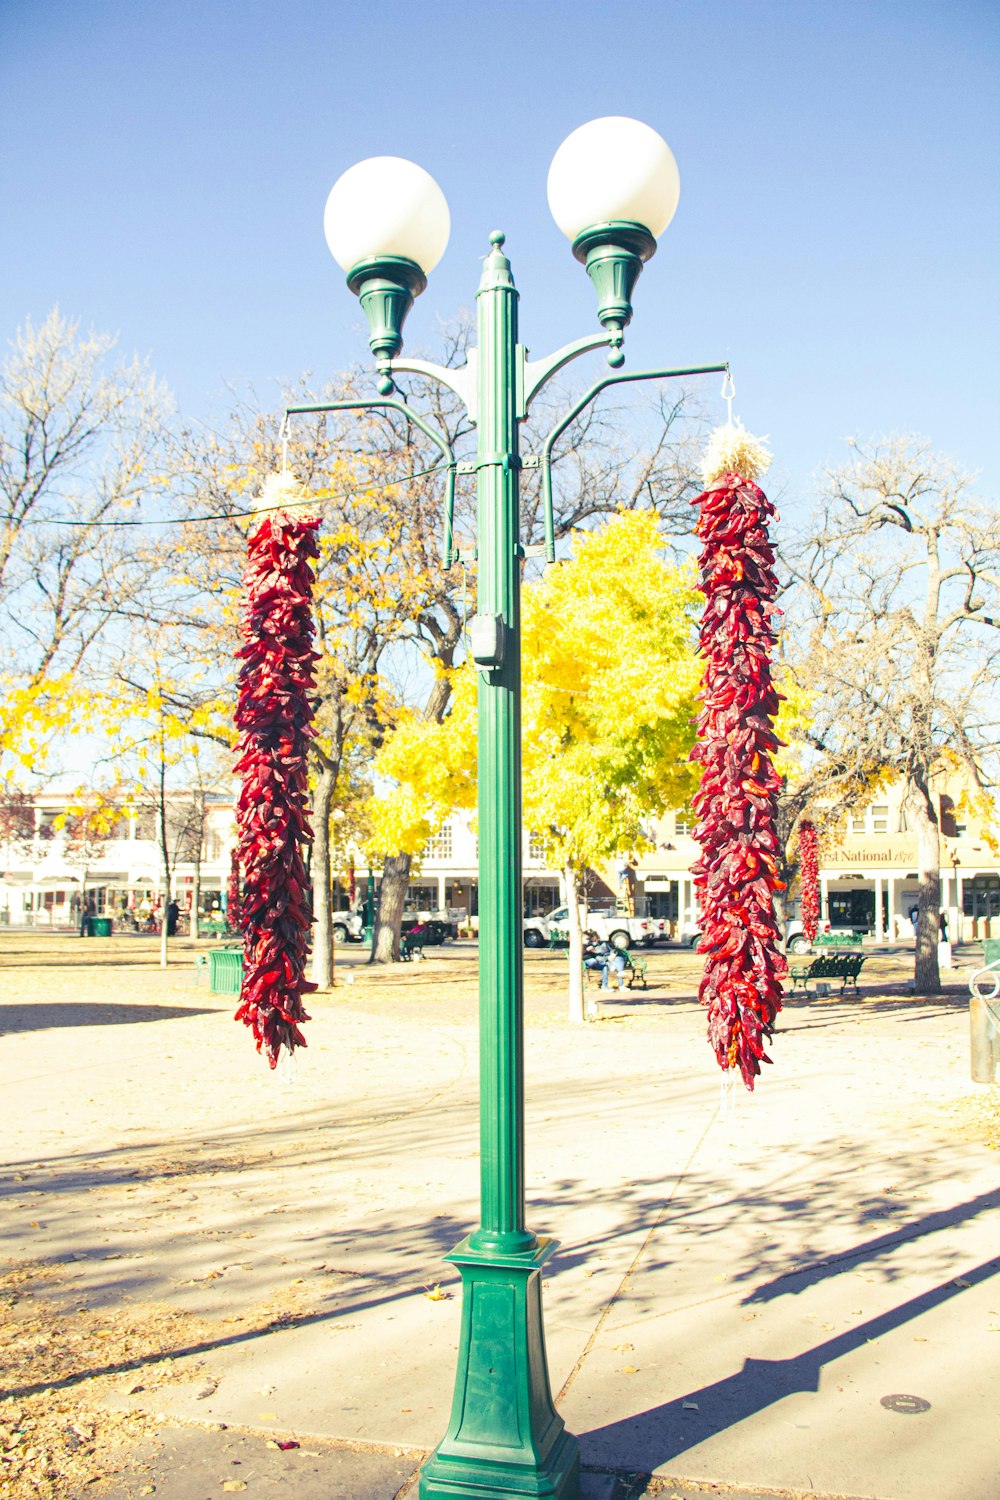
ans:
(225, 971)
(984, 1016)
(100, 926)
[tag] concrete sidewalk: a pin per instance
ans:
(789, 1293)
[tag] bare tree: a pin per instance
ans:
(896, 608)
(381, 590)
(78, 442)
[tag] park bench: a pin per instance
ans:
(837, 939)
(635, 971)
(843, 966)
(411, 944)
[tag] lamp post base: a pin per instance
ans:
(505, 1439)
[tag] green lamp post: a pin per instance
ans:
(613, 188)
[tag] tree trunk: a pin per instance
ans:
(392, 894)
(920, 803)
(163, 916)
(199, 829)
(195, 899)
(322, 964)
(576, 1007)
(83, 903)
(164, 860)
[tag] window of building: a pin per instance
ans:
(536, 846)
(684, 821)
(880, 819)
(439, 847)
(421, 898)
(540, 897)
(145, 823)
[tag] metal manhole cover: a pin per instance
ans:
(909, 1405)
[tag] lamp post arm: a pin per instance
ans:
(538, 371)
(448, 555)
(462, 381)
(545, 457)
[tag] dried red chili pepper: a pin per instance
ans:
(736, 803)
(233, 904)
(274, 717)
(809, 875)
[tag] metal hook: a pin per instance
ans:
(728, 393)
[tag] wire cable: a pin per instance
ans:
(234, 515)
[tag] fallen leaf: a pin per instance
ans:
(690, 1406)
(234, 1484)
(435, 1294)
(629, 1370)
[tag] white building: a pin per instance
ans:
(868, 871)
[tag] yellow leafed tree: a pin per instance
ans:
(609, 677)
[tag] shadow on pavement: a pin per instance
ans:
(57, 1015)
(652, 1438)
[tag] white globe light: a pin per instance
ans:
(613, 168)
(386, 206)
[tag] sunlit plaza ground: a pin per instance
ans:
(204, 1259)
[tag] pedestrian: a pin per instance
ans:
(606, 957)
(914, 918)
(591, 959)
(173, 912)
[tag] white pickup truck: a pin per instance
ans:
(599, 923)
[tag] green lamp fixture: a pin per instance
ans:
(613, 189)
(387, 224)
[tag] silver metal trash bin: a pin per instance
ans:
(984, 1022)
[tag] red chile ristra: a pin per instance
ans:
(809, 875)
(274, 717)
(737, 873)
(234, 904)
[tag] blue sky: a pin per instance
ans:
(165, 166)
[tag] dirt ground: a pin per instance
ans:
(70, 1350)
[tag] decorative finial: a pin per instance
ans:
(498, 238)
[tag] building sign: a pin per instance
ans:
(898, 851)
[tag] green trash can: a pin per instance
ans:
(225, 971)
(100, 926)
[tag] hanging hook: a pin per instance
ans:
(728, 393)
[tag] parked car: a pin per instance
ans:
(599, 924)
(348, 927)
(795, 938)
